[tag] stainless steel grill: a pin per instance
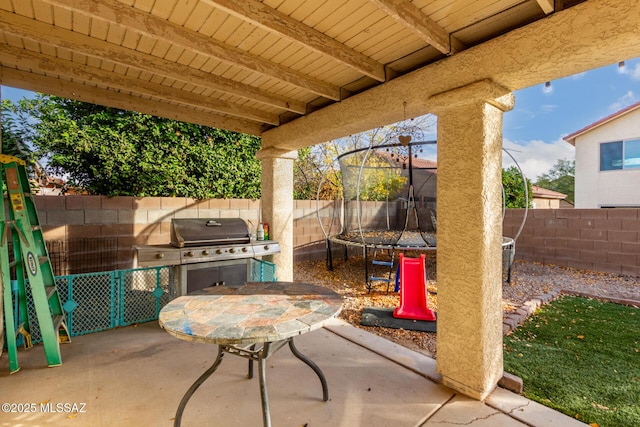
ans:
(208, 231)
(206, 252)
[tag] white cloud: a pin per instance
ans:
(632, 72)
(527, 113)
(624, 101)
(579, 75)
(635, 73)
(536, 157)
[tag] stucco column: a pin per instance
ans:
(469, 266)
(277, 205)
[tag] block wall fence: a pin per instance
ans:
(595, 239)
(606, 240)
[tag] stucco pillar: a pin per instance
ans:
(277, 205)
(469, 266)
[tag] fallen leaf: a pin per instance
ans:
(581, 337)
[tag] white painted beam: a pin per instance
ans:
(68, 89)
(426, 28)
(547, 6)
(266, 17)
(47, 34)
(41, 64)
(586, 36)
(120, 14)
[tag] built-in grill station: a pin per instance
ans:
(207, 252)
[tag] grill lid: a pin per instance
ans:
(208, 231)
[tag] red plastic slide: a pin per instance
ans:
(413, 285)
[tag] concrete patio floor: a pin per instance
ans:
(136, 376)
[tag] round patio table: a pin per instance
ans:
(252, 321)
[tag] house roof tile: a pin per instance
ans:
(543, 193)
(571, 138)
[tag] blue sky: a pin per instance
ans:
(534, 129)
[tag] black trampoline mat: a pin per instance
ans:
(383, 317)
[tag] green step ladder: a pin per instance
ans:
(30, 257)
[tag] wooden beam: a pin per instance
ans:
(47, 34)
(108, 98)
(547, 6)
(43, 64)
(426, 28)
(589, 35)
(133, 19)
(272, 20)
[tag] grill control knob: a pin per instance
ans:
(160, 255)
(266, 248)
(244, 249)
(218, 251)
(190, 253)
(205, 252)
(232, 250)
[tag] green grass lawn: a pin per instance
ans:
(581, 357)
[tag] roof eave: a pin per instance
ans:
(571, 138)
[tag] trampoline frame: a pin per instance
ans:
(508, 243)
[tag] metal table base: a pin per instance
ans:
(260, 355)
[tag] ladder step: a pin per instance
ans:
(61, 329)
(50, 291)
(13, 263)
(43, 259)
(379, 279)
(57, 321)
(385, 263)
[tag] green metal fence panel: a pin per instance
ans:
(89, 300)
(262, 271)
(143, 294)
(95, 302)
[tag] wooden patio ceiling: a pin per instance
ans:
(249, 65)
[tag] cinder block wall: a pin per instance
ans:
(131, 220)
(147, 221)
(308, 238)
(595, 239)
(605, 240)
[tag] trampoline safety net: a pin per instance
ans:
(390, 195)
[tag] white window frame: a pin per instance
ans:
(622, 159)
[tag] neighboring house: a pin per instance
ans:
(548, 199)
(425, 183)
(52, 186)
(608, 161)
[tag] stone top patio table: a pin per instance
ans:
(238, 319)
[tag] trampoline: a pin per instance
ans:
(388, 205)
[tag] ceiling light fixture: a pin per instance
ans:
(621, 67)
